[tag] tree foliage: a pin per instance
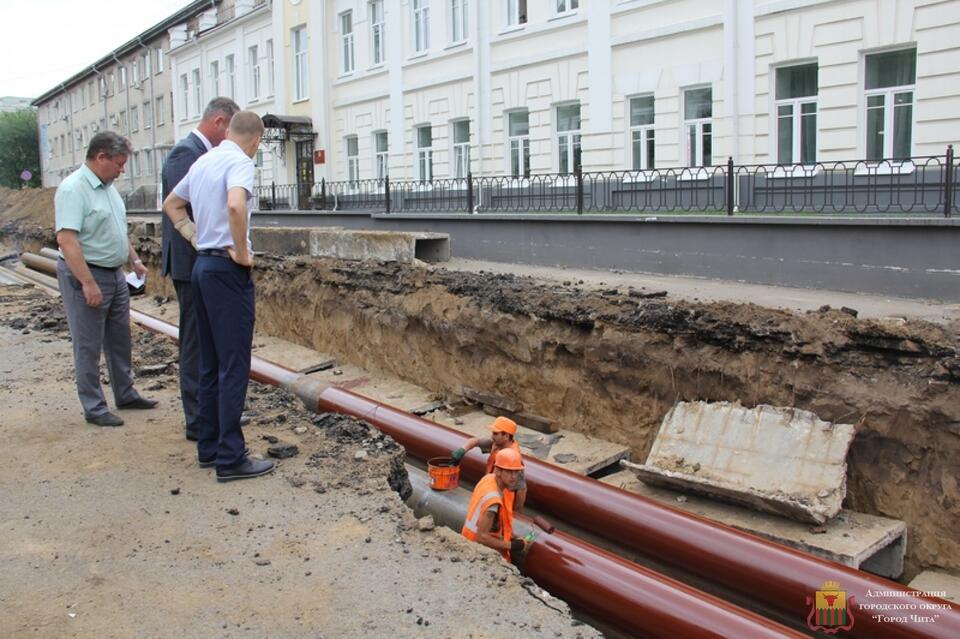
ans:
(19, 148)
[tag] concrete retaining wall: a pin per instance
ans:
(904, 257)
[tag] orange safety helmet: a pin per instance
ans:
(504, 425)
(509, 459)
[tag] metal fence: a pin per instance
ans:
(919, 185)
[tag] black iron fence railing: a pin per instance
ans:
(919, 185)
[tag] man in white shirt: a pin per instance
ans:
(218, 187)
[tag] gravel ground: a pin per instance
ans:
(118, 533)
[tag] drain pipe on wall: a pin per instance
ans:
(774, 576)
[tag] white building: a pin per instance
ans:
(428, 88)
(226, 50)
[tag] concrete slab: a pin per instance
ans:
(781, 460)
(939, 584)
(858, 540)
(287, 353)
(390, 246)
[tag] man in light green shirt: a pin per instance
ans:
(91, 226)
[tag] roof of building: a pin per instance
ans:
(158, 29)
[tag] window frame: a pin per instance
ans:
(353, 159)
(421, 26)
(889, 107)
(647, 134)
(459, 151)
(381, 159)
(197, 80)
(458, 12)
(215, 77)
(424, 157)
(689, 156)
(301, 68)
(569, 6)
(185, 96)
(230, 70)
(378, 46)
(515, 13)
(348, 59)
(160, 111)
(147, 115)
(522, 160)
(253, 55)
(796, 105)
(271, 74)
(570, 152)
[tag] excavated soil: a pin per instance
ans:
(611, 363)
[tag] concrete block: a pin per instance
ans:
(389, 246)
(780, 460)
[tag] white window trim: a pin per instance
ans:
(643, 129)
(797, 117)
(875, 166)
(348, 59)
(377, 155)
(457, 146)
(230, 71)
(301, 69)
(271, 73)
(522, 140)
(353, 161)
(568, 11)
(377, 28)
(571, 146)
(253, 55)
(511, 20)
(889, 111)
(196, 79)
(421, 16)
(215, 77)
(464, 22)
(424, 155)
(184, 96)
(698, 123)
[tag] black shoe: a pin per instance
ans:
(191, 436)
(210, 463)
(107, 419)
(141, 403)
(244, 420)
(244, 470)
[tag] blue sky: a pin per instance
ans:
(43, 42)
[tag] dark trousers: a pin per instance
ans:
(189, 356)
(223, 295)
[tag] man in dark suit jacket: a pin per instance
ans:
(177, 254)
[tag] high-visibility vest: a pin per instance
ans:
(492, 457)
(485, 495)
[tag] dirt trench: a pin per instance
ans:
(611, 363)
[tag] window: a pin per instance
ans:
(135, 164)
(346, 40)
(82, 100)
(113, 83)
(123, 77)
(160, 111)
(888, 88)
(421, 25)
(184, 97)
(516, 12)
(124, 124)
(353, 158)
(642, 145)
(145, 65)
(698, 126)
(103, 89)
(271, 80)
(134, 119)
(461, 148)
(215, 78)
(567, 5)
(301, 88)
(147, 115)
(424, 153)
(197, 93)
(458, 20)
(378, 54)
(518, 130)
(253, 55)
(158, 55)
(92, 93)
(381, 168)
(230, 69)
(135, 73)
(148, 163)
(796, 104)
(568, 137)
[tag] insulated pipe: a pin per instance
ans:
(775, 576)
(635, 599)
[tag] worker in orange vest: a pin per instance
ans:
(490, 513)
(504, 430)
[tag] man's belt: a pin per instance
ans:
(214, 253)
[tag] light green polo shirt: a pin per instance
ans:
(96, 212)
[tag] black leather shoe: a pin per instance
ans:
(244, 420)
(245, 470)
(191, 436)
(107, 419)
(139, 403)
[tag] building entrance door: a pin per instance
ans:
(304, 174)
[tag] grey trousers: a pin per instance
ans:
(106, 329)
(189, 356)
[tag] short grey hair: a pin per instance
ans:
(220, 105)
(110, 143)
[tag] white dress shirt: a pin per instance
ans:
(206, 185)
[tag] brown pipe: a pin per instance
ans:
(774, 576)
(635, 599)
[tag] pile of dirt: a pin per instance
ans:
(27, 215)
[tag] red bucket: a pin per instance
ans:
(444, 474)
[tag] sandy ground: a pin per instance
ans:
(118, 533)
